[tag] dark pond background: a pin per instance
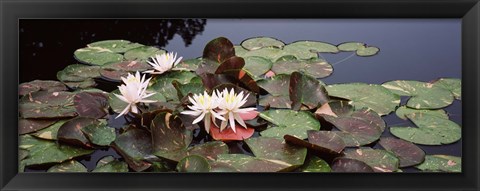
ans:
(410, 49)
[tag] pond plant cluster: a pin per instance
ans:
(264, 97)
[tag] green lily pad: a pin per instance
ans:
(306, 90)
(431, 130)
(68, 166)
(408, 153)
(309, 49)
(97, 56)
(88, 83)
(40, 85)
(134, 145)
(239, 50)
(190, 64)
(270, 53)
(232, 68)
(94, 105)
(295, 123)
(100, 134)
(184, 89)
(218, 50)
(78, 73)
(317, 68)
(350, 46)
(454, 85)
(193, 163)
(246, 163)
(403, 111)
(71, 131)
(169, 134)
(261, 42)
(45, 104)
(257, 66)
(281, 102)
(163, 85)
(379, 160)
(372, 96)
(315, 164)
(50, 133)
(367, 51)
(276, 149)
(143, 53)
(110, 164)
(47, 152)
(441, 163)
(423, 95)
(127, 66)
(113, 75)
(278, 89)
(117, 46)
(31, 125)
(209, 150)
(343, 164)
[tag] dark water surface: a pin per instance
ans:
(410, 49)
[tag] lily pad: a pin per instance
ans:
(78, 73)
(350, 46)
(232, 68)
(228, 134)
(367, 51)
(110, 164)
(40, 85)
(97, 56)
(31, 125)
(88, 83)
(275, 149)
(190, 64)
(209, 150)
(454, 85)
(68, 166)
(270, 53)
(45, 104)
(306, 90)
(184, 89)
(50, 133)
(379, 160)
(343, 164)
(309, 49)
(163, 85)
(193, 163)
(134, 145)
(317, 68)
(372, 96)
(261, 42)
(441, 163)
(431, 130)
(127, 66)
(94, 105)
(278, 89)
(169, 134)
(315, 164)
(403, 111)
(257, 66)
(318, 150)
(71, 131)
(423, 95)
(218, 50)
(408, 153)
(99, 134)
(143, 53)
(326, 139)
(246, 163)
(47, 152)
(295, 123)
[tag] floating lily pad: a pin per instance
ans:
(276, 149)
(257, 66)
(246, 163)
(306, 90)
(278, 89)
(46, 152)
(317, 68)
(68, 166)
(117, 46)
(143, 53)
(110, 164)
(169, 134)
(219, 50)
(88, 83)
(31, 125)
(127, 66)
(309, 49)
(40, 85)
(431, 130)
(261, 42)
(164, 86)
(367, 51)
(228, 134)
(94, 105)
(232, 68)
(350, 46)
(190, 64)
(193, 163)
(423, 95)
(326, 139)
(281, 102)
(403, 111)
(71, 131)
(97, 56)
(134, 145)
(209, 150)
(343, 164)
(441, 163)
(295, 123)
(99, 134)
(78, 73)
(454, 85)
(372, 96)
(318, 150)
(379, 160)
(270, 53)
(184, 89)
(408, 153)
(239, 50)
(315, 164)
(50, 133)
(45, 104)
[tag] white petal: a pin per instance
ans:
(124, 111)
(198, 119)
(134, 108)
(239, 120)
(232, 121)
(207, 122)
(194, 113)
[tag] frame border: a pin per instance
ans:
(11, 11)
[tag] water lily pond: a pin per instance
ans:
(197, 95)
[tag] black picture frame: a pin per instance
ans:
(11, 11)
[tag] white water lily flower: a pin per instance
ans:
(164, 62)
(203, 107)
(230, 104)
(133, 91)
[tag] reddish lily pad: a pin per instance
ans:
(232, 67)
(219, 50)
(319, 150)
(78, 73)
(169, 134)
(193, 163)
(113, 75)
(228, 134)
(31, 125)
(306, 90)
(45, 105)
(379, 160)
(278, 89)
(94, 105)
(71, 131)
(40, 85)
(134, 145)
(326, 139)
(246, 163)
(408, 153)
(343, 164)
